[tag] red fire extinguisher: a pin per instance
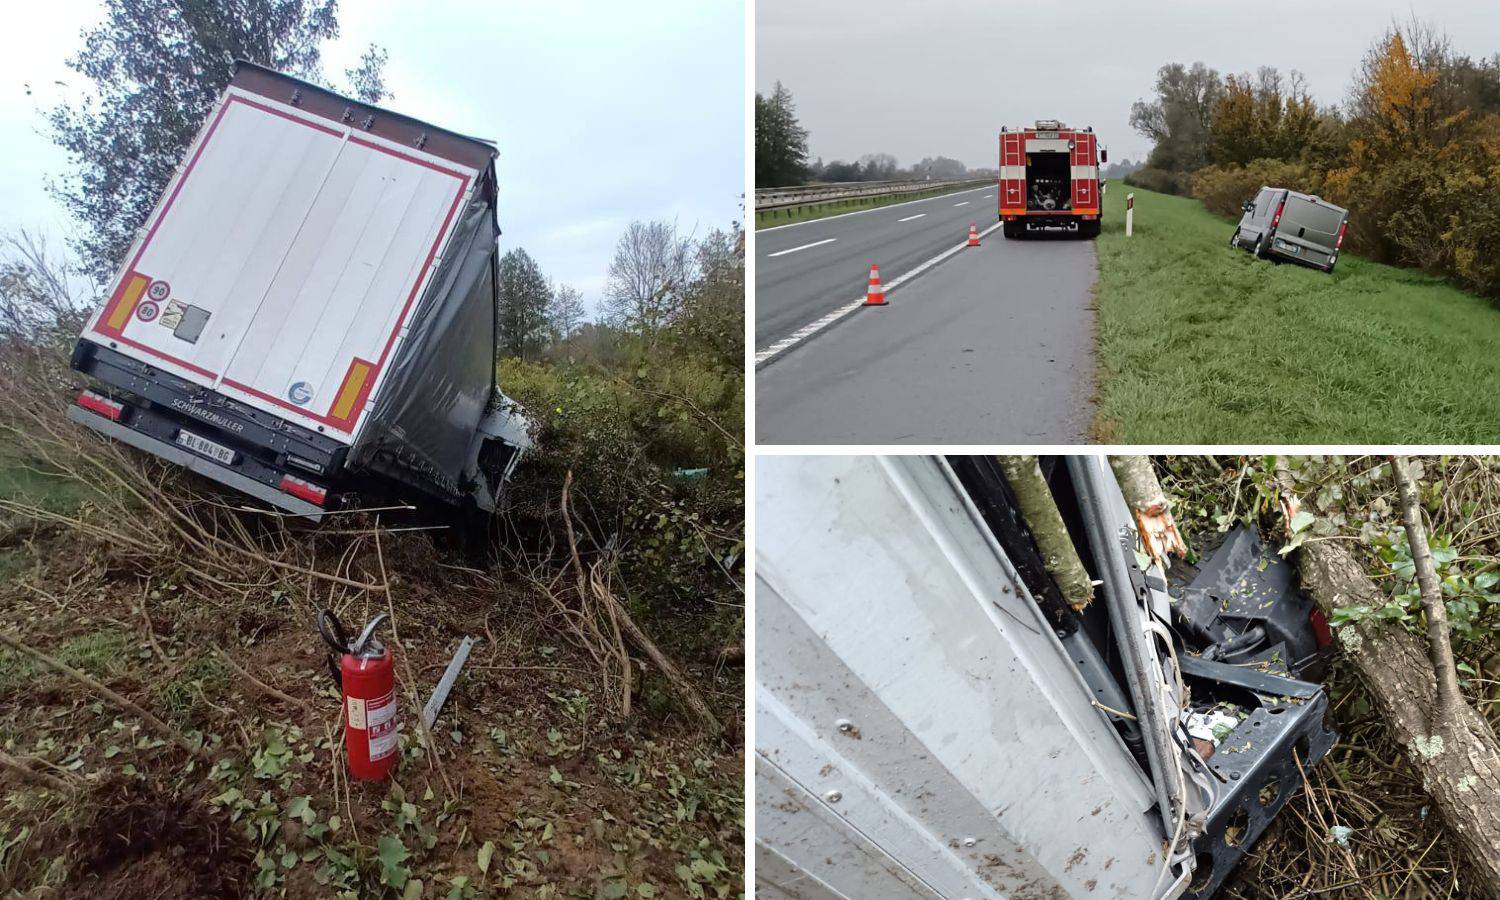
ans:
(367, 678)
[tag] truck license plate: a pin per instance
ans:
(208, 448)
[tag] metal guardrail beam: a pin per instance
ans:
(804, 195)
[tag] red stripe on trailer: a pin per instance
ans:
(463, 186)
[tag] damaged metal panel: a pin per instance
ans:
(1259, 764)
(919, 706)
(1242, 607)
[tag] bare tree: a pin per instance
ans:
(652, 268)
(41, 296)
(566, 312)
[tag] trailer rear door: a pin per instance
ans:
(284, 261)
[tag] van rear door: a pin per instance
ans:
(284, 261)
(1309, 229)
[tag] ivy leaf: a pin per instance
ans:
(1301, 521)
(485, 854)
(393, 854)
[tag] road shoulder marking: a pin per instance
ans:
(812, 328)
(803, 247)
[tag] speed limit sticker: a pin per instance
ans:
(159, 291)
(147, 311)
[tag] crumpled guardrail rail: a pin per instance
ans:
(807, 194)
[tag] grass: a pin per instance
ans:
(1199, 343)
(824, 210)
(26, 482)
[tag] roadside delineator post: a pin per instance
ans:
(973, 235)
(874, 294)
(1129, 214)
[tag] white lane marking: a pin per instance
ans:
(860, 212)
(803, 247)
(986, 196)
(965, 203)
(909, 218)
(807, 331)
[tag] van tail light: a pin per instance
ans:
(1339, 242)
(1276, 219)
(112, 410)
(1321, 632)
(304, 490)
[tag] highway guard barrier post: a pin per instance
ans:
(1129, 214)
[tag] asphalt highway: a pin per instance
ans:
(806, 270)
(992, 345)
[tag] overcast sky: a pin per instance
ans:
(940, 78)
(604, 112)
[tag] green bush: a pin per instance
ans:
(1160, 180)
(652, 428)
(1439, 213)
(1223, 188)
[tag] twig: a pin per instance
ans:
(156, 724)
(264, 688)
(1439, 649)
(27, 773)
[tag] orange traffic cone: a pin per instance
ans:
(875, 295)
(973, 235)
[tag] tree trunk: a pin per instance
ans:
(1024, 475)
(1153, 514)
(1457, 756)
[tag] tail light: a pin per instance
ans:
(1339, 242)
(1321, 632)
(1276, 219)
(112, 410)
(304, 490)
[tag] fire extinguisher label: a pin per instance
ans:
(381, 714)
(356, 712)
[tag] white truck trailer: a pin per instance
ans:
(309, 312)
(932, 720)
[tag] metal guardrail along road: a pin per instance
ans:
(803, 195)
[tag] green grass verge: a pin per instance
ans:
(1199, 343)
(27, 482)
(824, 210)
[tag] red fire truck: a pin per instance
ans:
(1049, 180)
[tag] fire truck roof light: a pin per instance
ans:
(98, 403)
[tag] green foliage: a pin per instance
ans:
(1414, 155)
(1160, 180)
(523, 298)
(1203, 344)
(780, 142)
(1469, 591)
(1223, 188)
(1264, 117)
(633, 427)
(1178, 118)
(155, 69)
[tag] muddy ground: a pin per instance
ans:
(536, 787)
